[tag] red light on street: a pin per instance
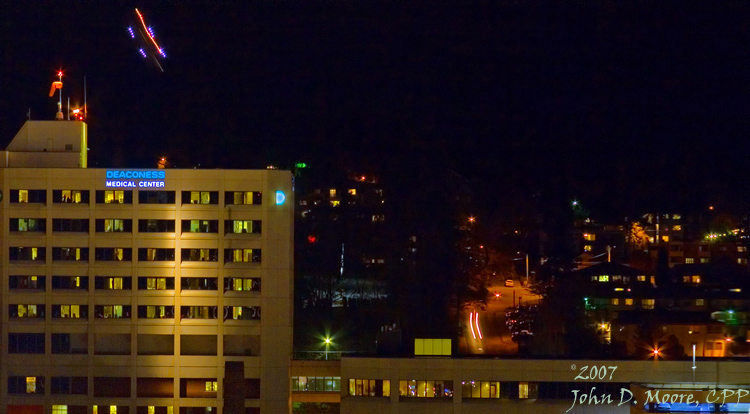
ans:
(311, 239)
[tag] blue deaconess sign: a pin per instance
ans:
(135, 178)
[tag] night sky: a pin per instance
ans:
(626, 107)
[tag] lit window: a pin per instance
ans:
(665, 238)
(689, 260)
(641, 278)
(70, 196)
(695, 279)
(23, 196)
(594, 278)
(741, 249)
(648, 303)
(212, 386)
(704, 260)
(112, 409)
(741, 261)
(587, 248)
(677, 228)
(523, 390)
(352, 191)
(332, 192)
(676, 216)
(200, 197)
(629, 302)
(589, 237)
(378, 218)
(694, 329)
(699, 302)
(615, 302)
(604, 278)
(30, 385)
(70, 311)
(170, 409)
(335, 203)
(95, 410)
(114, 197)
(59, 409)
(151, 409)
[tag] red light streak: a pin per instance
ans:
(140, 16)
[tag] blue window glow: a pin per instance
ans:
(280, 197)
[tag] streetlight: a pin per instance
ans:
(328, 343)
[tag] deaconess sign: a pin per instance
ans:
(135, 178)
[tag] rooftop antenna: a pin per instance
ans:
(57, 85)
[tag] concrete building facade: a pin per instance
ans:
(129, 291)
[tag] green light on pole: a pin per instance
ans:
(300, 165)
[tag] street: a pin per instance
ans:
(489, 334)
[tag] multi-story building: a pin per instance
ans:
(141, 291)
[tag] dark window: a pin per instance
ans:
(200, 197)
(156, 226)
(156, 197)
(80, 254)
(156, 283)
(28, 224)
(70, 282)
(70, 196)
(242, 197)
(25, 343)
(151, 255)
(114, 197)
(155, 312)
(199, 312)
(200, 226)
(26, 385)
(71, 225)
(199, 283)
(65, 343)
(69, 385)
(27, 282)
(113, 282)
(200, 255)
(28, 196)
(113, 254)
(242, 226)
(252, 388)
(27, 253)
(114, 225)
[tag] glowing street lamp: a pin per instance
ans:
(328, 343)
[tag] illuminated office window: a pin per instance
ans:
(59, 409)
(242, 226)
(212, 386)
(114, 197)
(30, 385)
(629, 302)
(243, 197)
(523, 390)
(114, 225)
(352, 191)
(23, 196)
